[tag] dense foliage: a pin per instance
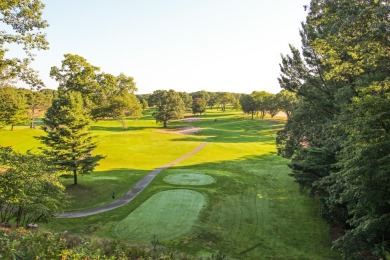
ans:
(25, 244)
(23, 25)
(13, 107)
(104, 95)
(338, 136)
(262, 102)
(30, 191)
(169, 106)
(198, 106)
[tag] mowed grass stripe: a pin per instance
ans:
(166, 215)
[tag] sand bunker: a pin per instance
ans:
(191, 119)
(181, 131)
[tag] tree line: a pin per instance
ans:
(338, 135)
(109, 99)
(336, 96)
(262, 102)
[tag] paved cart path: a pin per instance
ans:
(131, 194)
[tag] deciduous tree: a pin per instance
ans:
(286, 101)
(213, 100)
(248, 104)
(30, 191)
(187, 100)
(224, 98)
(263, 101)
(23, 25)
(37, 101)
(199, 106)
(13, 109)
(77, 74)
(169, 106)
(115, 98)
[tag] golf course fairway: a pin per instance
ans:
(234, 196)
(166, 215)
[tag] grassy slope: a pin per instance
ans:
(254, 209)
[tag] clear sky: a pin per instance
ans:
(185, 45)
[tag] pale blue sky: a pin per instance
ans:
(185, 45)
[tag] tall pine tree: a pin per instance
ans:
(338, 136)
(68, 142)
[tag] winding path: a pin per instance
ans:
(131, 194)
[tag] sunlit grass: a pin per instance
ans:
(253, 208)
(21, 138)
(166, 215)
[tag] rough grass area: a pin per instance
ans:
(189, 179)
(166, 215)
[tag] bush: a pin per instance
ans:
(25, 244)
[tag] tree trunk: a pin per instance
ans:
(32, 118)
(252, 114)
(18, 216)
(12, 127)
(75, 177)
(288, 114)
(165, 124)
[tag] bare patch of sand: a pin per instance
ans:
(281, 114)
(181, 131)
(191, 119)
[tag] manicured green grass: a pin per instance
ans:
(21, 138)
(130, 154)
(166, 215)
(254, 209)
(184, 178)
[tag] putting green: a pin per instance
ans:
(189, 179)
(167, 214)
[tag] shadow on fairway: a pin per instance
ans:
(98, 188)
(119, 128)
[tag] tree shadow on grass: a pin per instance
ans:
(98, 188)
(119, 128)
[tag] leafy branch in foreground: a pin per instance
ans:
(30, 191)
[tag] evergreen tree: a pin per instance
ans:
(338, 135)
(68, 141)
